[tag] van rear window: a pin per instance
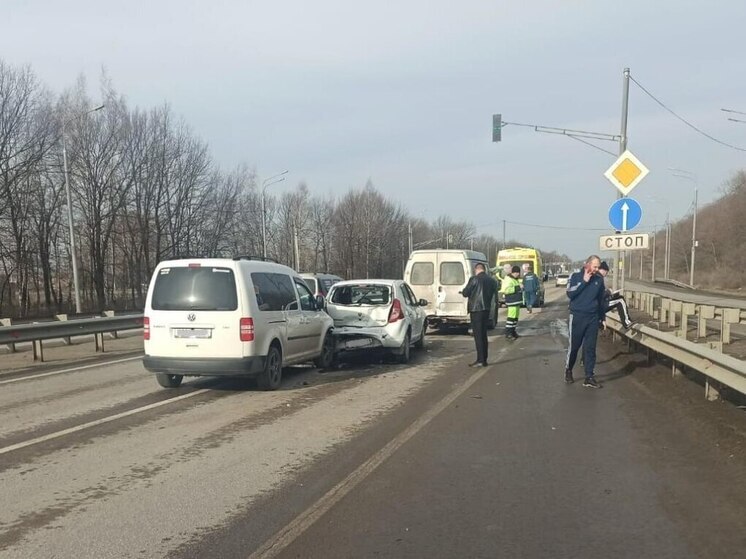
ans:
(195, 289)
(423, 273)
(452, 273)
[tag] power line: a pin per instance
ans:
(541, 226)
(682, 119)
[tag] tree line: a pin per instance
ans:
(144, 188)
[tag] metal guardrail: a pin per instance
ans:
(674, 282)
(67, 329)
(706, 358)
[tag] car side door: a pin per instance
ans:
(311, 319)
(420, 312)
(411, 309)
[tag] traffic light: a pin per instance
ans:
(497, 123)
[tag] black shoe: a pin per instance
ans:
(515, 336)
(484, 364)
(474, 364)
(629, 325)
(590, 382)
(568, 376)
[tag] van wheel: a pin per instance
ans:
(169, 381)
(271, 376)
(420, 344)
(325, 360)
(403, 355)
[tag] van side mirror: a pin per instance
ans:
(320, 301)
(423, 303)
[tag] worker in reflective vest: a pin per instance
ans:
(511, 288)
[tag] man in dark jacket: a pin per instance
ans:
(481, 291)
(587, 294)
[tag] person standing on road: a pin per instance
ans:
(481, 290)
(511, 288)
(615, 300)
(587, 294)
(530, 289)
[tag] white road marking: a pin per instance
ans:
(81, 368)
(101, 421)
(306, 519)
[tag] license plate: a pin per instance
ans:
(359, 343)
(201, 333)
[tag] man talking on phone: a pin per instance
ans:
(587, 292)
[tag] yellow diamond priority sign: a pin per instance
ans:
(626, 172)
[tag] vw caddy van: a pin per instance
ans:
(232, 317)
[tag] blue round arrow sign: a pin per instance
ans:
(625, 214)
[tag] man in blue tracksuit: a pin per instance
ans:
(587, 294)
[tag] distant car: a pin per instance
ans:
(319, 284)
(377, 314)
(561, 280)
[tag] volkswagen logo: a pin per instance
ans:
(191, 317)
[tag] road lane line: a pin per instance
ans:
(101, 421)
(81, 368)
(302, 522)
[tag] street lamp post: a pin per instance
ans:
(688, 175)
(73, 255)
(268, 181)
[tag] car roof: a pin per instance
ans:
(318, 275)
(367, 282)
(232, 263)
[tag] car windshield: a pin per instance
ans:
(195, 288)
(361, 295)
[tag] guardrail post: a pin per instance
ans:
(114, 334)
(706, 312)
(665, 307)
(38, 355)
(676, 369)
(67, 339)
(687, 309)
(729, 316)
(99, 347)
(8, 322)
(712, 389)
(673, 307)
(655, 305)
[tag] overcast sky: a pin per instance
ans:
(402, 93)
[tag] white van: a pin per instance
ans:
(439, 276)
(232, 317)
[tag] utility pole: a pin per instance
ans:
(667, 260)
(504, 240)
(652, 268)
(694, 239)
(410, 238)
(296, 252)
(622, 148)
(642, 260)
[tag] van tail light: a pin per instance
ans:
(396, 312)
(146, 328)
(247, 329)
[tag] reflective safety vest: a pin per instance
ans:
(511, 288)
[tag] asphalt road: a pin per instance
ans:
(432, 459)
